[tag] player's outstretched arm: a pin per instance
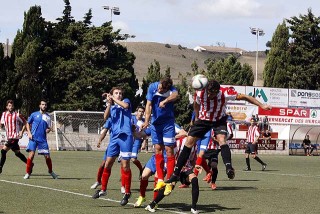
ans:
(254, 101)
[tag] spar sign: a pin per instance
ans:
(292, 115)
(271, 96)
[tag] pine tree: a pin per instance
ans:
(276, 71)
(305, 51)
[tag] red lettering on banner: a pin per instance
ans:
(286, 112)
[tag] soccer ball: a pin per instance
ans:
(199, 81)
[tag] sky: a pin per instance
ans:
(189, 23)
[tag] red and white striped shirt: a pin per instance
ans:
(213, 144)
(193, 155)
(214, 109)
(13, 123)
(253, 134)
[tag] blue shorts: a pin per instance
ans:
(151, 164)
(105, 155)
(135, 148)
(202, 143)
(163, 134)
(121, 144)
(43, 148)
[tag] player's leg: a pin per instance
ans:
(255, 156)
(157, 141)
(99, 173)
(125, 143)
(203, 144)
(221, 132)
(214, 167)
(146, 173)
(247, 152)
(192, 178)
(134, 155)
(152, 206)
(31, 149)
(113, 152)
(3, 159)
(43, 149)
(16, 149)
(197, 131)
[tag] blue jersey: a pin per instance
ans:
(160, 115)
(107, 125)
(39, 125)
(121, 119)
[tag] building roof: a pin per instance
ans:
(221, 49)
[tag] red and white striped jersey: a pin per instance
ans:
(193, 155)
(213, 144)
(253, 134)
(214, 109)
(13, 123)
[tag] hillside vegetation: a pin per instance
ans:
(179, 60)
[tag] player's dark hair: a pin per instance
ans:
(213, 85)
(166, 83)
(142, 107)
(116, 88)
(43, 100)
(9, 102)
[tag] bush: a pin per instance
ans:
(183, 56)
(167, 46)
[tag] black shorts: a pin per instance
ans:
(251, 148)
(212, 155)
(13, 144)
(184, 176)
(201, 127)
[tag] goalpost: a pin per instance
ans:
(77, 130)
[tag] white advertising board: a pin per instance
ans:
(272, 96)
(304, 98)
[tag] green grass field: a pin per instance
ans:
(289, 185)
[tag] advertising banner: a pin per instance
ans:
(272, 96)
(304, 98)
(292, 116)
(241, 112)
(241, 144)
(239, 89)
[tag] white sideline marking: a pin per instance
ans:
(80, 194)
(283, 174)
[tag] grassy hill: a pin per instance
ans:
(179, 60)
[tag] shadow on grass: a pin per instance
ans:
(203, 208)
(228, 188)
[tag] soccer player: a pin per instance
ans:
(160, 98)
(40, 123)
(106, 128)
(14, 124)
(121, 141)
(252, 145)
(138, 120)
(187, 177)
(150, 167)
(210, 109)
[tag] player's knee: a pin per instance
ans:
(3, 152)
(194, 181)
(214, 164)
